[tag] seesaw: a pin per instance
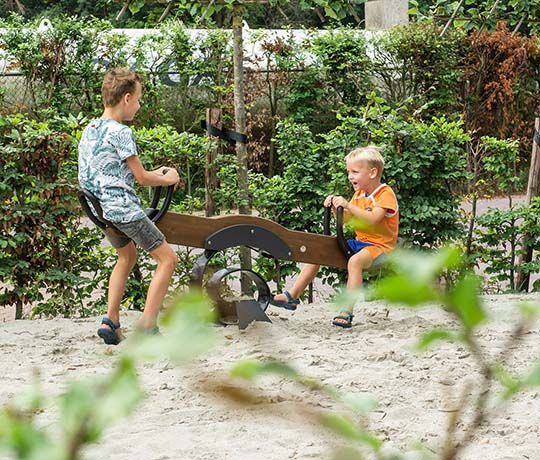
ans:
(216, 234)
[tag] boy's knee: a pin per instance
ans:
(360, 261)
(170, 260)
(174, 259)
(128, 258)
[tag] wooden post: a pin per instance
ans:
(213, 118)
(533, 190)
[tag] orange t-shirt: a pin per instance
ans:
(386, 232)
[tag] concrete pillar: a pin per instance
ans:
(384, 14)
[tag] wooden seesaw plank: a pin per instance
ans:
(189, 230)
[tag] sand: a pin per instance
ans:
(185, 416)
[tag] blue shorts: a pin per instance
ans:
(356, 246)
(143, 232)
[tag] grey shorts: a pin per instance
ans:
(143, 232)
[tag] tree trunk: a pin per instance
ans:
(18, 309)
(451, 20)
(533, 190)
(240, 126)
(240, 110)
(213, 118)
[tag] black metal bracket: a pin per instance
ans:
(199, 267)
(536, 137)
(252, 236)
(242, 311)
(226, 134)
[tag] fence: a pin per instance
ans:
(13, 90)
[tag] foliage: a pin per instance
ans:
(266, 96)
(164, 146)
(496, 238)
(500, 81)
(211, 13)
(315, 100)
(479, 15)
(417, 67)
(40, 253)
(345, 65)
(501, 234)
(62, 64)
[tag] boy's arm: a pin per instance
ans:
(151, 178)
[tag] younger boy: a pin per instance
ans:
(108, 167)
(375, 205)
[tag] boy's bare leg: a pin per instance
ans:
(127, 257)
(306, 276)
(166, 260)
(355, 270)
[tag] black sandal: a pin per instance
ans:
(109, 336)
(348, 317)
(291, 303)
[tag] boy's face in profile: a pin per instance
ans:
(360, 174)
(132, 103)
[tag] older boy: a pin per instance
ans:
(108, 167)
(374, 204)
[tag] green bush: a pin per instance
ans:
(415, 66)
(42, 255)
(164, 146)
(63, 65)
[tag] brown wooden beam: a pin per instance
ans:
(189, 230)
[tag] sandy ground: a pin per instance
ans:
(185, 417)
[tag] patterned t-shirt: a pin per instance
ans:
(385, 234)
(103, 170)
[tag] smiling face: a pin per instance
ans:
(361, 175)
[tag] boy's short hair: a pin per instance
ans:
(371, 154)
(118, 82)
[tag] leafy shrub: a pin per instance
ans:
(164, 146)
(62, 65)
(40, 251)
(415, 66)
(345, 65)
(500, 237)
(500, 85)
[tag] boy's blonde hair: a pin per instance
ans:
(371, 154)
(118, 82)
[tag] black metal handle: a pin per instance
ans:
(153, 213)
(327, 216)
(342, 242)
(166, 203)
